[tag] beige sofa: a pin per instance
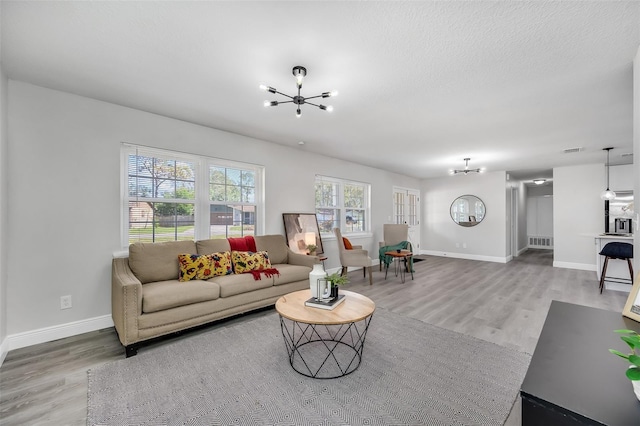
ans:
(148, 301)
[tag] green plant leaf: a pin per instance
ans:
(620, 354)
(338, 279)
(635, 340)
(624, 331)
(632, 342)
(634, 359)
(633, 373)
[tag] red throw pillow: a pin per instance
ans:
(347, 244)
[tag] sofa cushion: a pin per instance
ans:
(245, 261)
(290, 273)
(157, 261)
(161, 295)
(205, 266)
(230, 285)
(275, 245)
(212, 246)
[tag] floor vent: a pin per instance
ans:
(540, 242)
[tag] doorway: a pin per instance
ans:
(406, 209)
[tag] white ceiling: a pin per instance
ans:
(422, 84)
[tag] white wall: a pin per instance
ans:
(540, 216)
(523, 192)
(578, 214)
(64, 197)
(3, 215)
(540, 210)
(540, 191)
(636, 152)
(620, 178)
(440, 234)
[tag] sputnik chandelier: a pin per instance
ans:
(466, 169)
(299, 73)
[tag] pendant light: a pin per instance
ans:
(607, 194)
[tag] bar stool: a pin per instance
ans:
(622, 251)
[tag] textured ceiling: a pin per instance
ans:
(422, 84)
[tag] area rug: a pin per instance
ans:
(412, 373)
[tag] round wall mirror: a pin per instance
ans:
(467, 210)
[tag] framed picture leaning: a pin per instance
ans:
(632, 307)
(301, 231)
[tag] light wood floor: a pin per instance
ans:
(503, 303)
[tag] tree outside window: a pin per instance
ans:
(161, 199)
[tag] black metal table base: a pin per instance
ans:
(324, 351)
(399, 268)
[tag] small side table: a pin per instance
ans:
(398, 257)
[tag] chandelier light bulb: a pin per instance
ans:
(299, 72)
(330, 94)
(267, 88)
(298, 113)
(607, 194)
(330, 108)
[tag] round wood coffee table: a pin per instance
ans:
(325, 344)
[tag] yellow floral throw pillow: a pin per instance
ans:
(203, 267)
(245, 261)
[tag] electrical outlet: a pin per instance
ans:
(464, 245)
(457, 245)
(65, 302)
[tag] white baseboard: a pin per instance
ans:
(4, 350)
(570, 265)
(466, 256)
(48, 334)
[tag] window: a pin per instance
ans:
(173, 196)
(341, 204)
(232, 202)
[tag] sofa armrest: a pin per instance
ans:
(302, 259)
(126, 301)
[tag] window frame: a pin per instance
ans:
(202, 201)
(340, 205)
